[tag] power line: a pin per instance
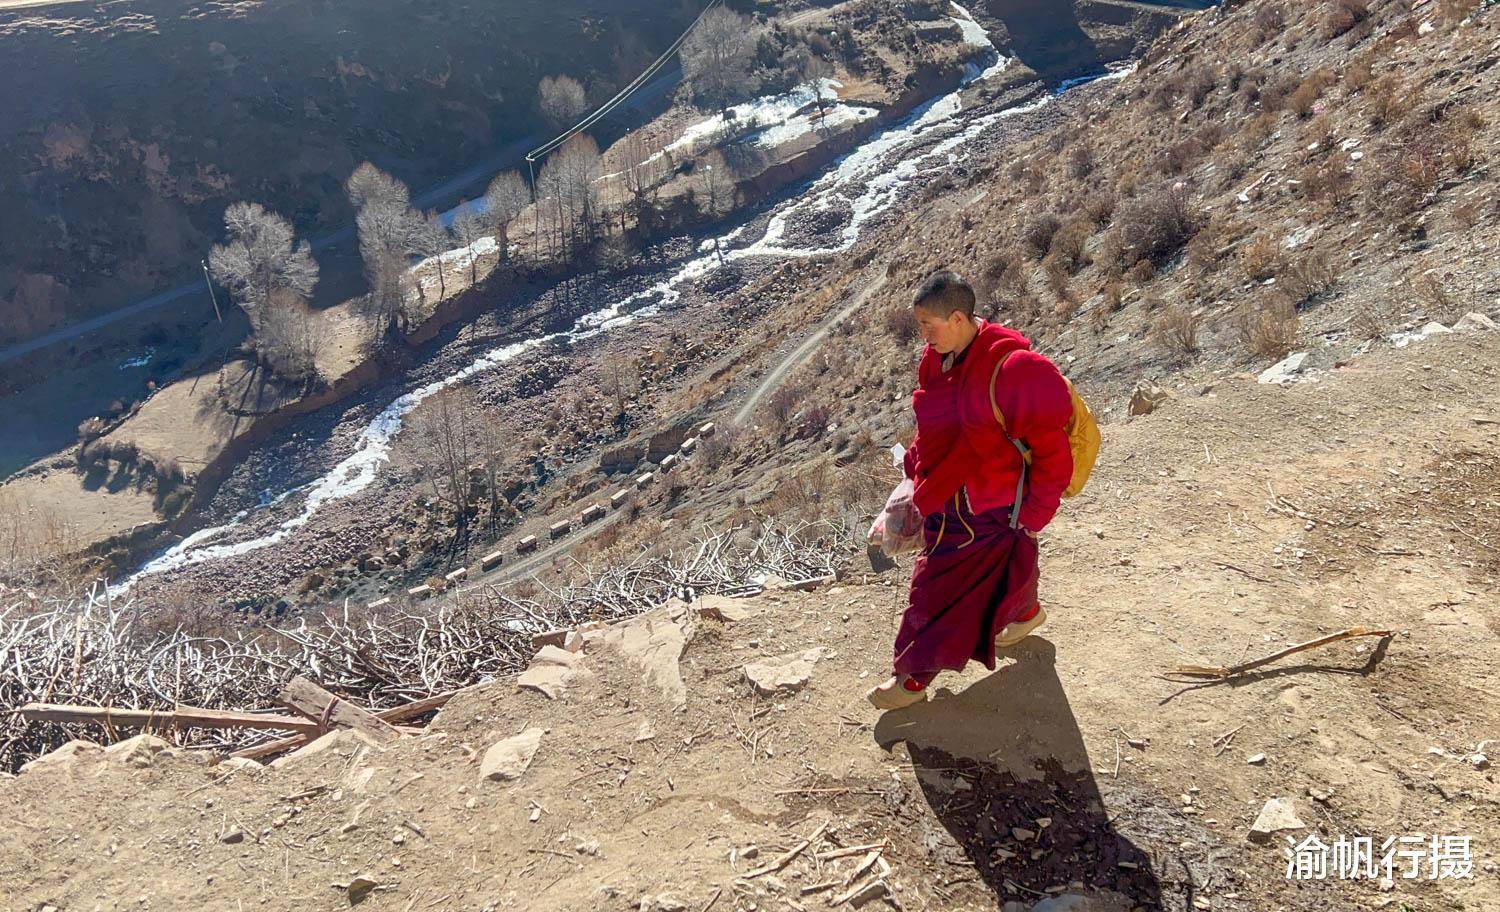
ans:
(620, 97)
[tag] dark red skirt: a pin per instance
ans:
(974, 576)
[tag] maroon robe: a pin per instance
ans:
(975, 575)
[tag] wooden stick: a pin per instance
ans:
(178, 717)
(394, 714)
(328, 710)
(1219, 671)
(786, 858)
(851, 850)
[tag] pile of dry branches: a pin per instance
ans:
(91, 649)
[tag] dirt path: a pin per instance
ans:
(802, 352)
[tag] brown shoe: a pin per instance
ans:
(1013, 633)
(894, 695)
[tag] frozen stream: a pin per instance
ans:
(867, 182)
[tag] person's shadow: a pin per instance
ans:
(1003, 767)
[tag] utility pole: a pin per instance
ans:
(213, 297)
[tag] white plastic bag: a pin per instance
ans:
(898, 526)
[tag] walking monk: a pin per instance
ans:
(987, 407)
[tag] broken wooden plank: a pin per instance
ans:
(330, 711)
(394, 714)
(177, 717)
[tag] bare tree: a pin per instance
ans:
(390, 233)
(432, 240)
(816, 72)
(269, 275)
(451, 436)
(469, 227)
(561, 99)
(505, 198)
(644, 169)
(566, 185)
(715, 190)
(716, 57)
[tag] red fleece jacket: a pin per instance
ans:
(960, 444)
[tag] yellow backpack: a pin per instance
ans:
(1083, 438)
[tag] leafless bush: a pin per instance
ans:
(1067, 247)
(901, 324)
(1387, 99)
(1269, 21)
(1081, 161)
(1269, 326)
(1099, 207)
(1261, 258)
(1155, 226)
(1303, 101)
(1429, 289)
(1368, 321)
(1176, 330)
(1037, 235)
(561, 99)
(1309, 276)
(1343, 15)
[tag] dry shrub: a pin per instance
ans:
(1037, 235)
(1114, 294)
(1176, 331)
(719, 449)
(1328, 180)
(1058, 284)
(1403, 179)
(1142, 272)
(1261, 258)
(1309, 276)
(1081, 161)
(1180, 155)
(1155, 226)
(1344, 15)
(1099, 207)
(1456, 10)
(1274, 94)
(1428, 289)
(901, 324)
(1067, 247)
(1387, 101)
(1357, 75)
(1462, 149)
(1304, 99)
(1203, 249)
(1269, 326)
(1367, 321)
(1269, 21)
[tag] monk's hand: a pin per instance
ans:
(1029, 534)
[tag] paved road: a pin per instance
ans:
(446, 193)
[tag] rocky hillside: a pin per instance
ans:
(127, 127)
(718, 754)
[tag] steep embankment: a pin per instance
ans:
(1222, 527)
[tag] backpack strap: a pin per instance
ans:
(1023, 449)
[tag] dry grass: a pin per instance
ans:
(1342, 16)
(1308, 277)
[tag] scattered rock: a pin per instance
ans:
(360, 888)
(232, 836)
(552, 672)
(1147, 396)
(1403, 339)
(1277, 815)
(1022, 834)
(783, 673)
(506, 760)
(345, 742)
(1480, 761)
(1285, 370)
(1084, 902)
(1474, 321)
(64, 755)
(1256, 759)
(242, 765)
(138, 751)
(868, 893)
(721, 608)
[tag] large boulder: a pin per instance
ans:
(138, 751)
(653, 643)
(63, 756)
